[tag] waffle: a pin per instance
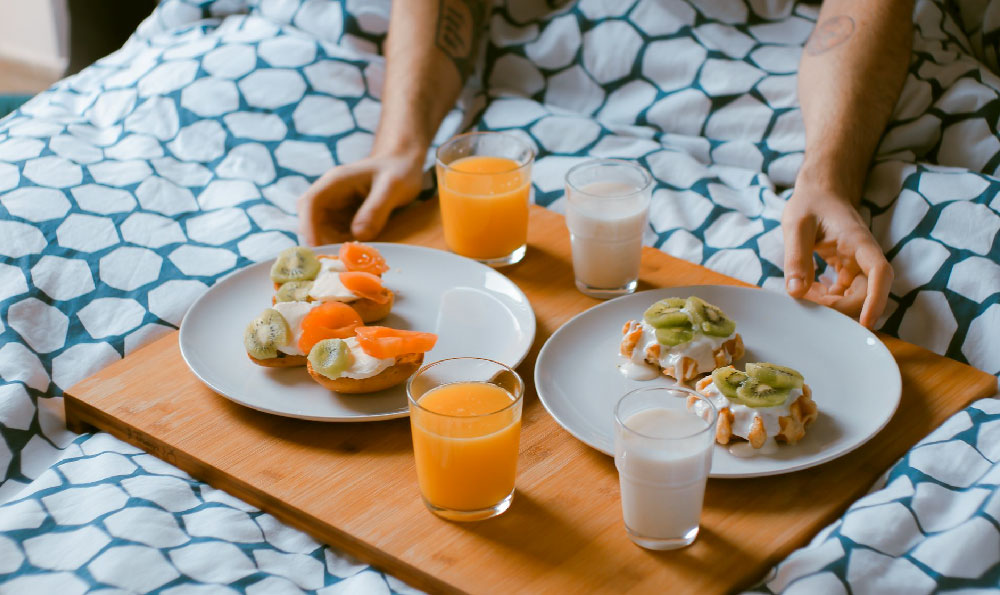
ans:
(801, 412)
(686, 368)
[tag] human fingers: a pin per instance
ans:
(328, 204)
(879, 274)
(388, 192)
(820, 294)
(847, 271)
(800, 239)
(852, 298)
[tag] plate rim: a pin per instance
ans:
(326, 249)
(897, 390)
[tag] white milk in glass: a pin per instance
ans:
(662, 486)
(606, 221)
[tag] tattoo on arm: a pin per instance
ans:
(829, 34)
(458, 26)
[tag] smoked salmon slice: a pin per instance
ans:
(365, 285)
(362, 258)
(384, 342)
(330, 320)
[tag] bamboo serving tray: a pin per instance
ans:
(354, 487)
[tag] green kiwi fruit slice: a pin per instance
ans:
(667, 312)
(753, 393)
(330, 357)
(674, 335)
(728, 380)
(265, 334)
(294, 291)
(295, 264)
(709, 319)
(775, 375)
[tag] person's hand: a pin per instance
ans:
(815, 220)
(356, 199)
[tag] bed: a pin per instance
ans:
(129, 188)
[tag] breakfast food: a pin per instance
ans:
(375, 358)
(352, 277)
(682, 338)
(282, 335)
(317, 318)
(767, 402)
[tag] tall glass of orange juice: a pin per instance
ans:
(465, 415)
(484, 185)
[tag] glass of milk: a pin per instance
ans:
(607, 204)
(663, 452)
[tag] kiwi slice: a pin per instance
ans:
(295, 264)
(728, 380)
(709, 319)
(665, 313)
(330, 357)
(775, 375)
(265, 334)
(294, 291)
(674, 335)
(754, 393)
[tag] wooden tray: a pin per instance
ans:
(354, 486)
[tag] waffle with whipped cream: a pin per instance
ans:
(681, 338)
(765, 402)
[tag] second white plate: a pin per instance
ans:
(474, 310)
(855, 380)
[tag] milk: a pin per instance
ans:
(662, 473)
(606, 220)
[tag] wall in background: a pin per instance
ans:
(35, 33)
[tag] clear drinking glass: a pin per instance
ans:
(664, 438)
(484, 186)
(607, 206)
(465, 416)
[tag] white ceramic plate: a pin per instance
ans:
(855, 380)
(474, 310)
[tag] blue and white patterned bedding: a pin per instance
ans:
(128, 189)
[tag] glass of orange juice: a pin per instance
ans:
(465, 415)
(484, 185)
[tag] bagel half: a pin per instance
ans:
(368, 310)
(371, 311)
(282, 361)
(395, 374)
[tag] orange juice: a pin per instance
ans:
(484, 205)
(465, 437)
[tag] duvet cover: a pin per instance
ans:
(129, 188)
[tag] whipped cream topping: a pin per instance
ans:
(364, 365)
(701, 349)
(744, 416)
(293, 313)
(636, 370)
(327, 286)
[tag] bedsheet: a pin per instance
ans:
(128, 189)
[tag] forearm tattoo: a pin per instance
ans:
(458, 27)
(829, 34)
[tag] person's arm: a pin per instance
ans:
(430, 50)
(850, 76)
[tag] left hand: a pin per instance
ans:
(821, 221)
(355, 200)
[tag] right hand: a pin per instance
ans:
(822, 222)
(356, 199)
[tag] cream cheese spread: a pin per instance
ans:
(362, 364)
(293, 313)
(327, 287)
